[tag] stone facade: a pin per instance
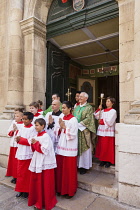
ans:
(127, 132)
(3, 55)
(23, 79)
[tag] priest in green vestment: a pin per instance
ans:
(86, 133)
(55, 96)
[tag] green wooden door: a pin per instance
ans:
(57, 73)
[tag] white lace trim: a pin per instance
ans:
(38, 169)
(24, 157)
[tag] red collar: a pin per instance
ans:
(107, 110)
(37, 114)
(40, 110)
(41, 133)
(68, 117)
(28, 126)
(77, 104)
(20, 122)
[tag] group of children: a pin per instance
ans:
(37, 171)
(32, 159)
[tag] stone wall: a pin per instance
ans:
(3, 53)
(126, 56)
(128, 141)
(34, 32)
(127, 135)
(11, 55)
(4, 142)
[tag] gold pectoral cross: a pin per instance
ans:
(68, 94)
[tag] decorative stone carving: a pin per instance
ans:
(133, 117)
(33, 25)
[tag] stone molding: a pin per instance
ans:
(135, 108)
(8, 113)
(133, 117)
(11, 107)
(32, 25)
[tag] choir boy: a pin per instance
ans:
(24, 155)
(34, 107)
(67, 148)
(42, 184)
(13, 132)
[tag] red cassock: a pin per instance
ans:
(66, 175)
(42, 190)
(23, 174)
(12, 163)
(105, 149)
(24, 155)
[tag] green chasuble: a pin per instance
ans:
(84, 116)
(50, 109)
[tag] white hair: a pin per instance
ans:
(85, 94)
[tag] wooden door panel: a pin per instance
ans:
(57, 73)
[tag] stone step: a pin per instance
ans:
(110, 170)
(95, 166)
(93, 181)
(99, 182)
(83, 200)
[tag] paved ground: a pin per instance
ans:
(83, 200)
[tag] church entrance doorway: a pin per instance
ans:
(83, 50)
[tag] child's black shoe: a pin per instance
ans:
(19, 194)
(102, 163)
(14, 180)
(107, 165)
(25, 195)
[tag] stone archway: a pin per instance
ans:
(33, 27)
(37, 8)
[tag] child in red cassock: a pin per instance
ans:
(24, 155)
(34, 108)
(66, 153)
(13, 132)
(42, 184)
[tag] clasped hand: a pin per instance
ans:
(33, 141)
(51, 120)
(14, 127)
(17, 138)
(62, 124)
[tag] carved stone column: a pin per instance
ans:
(128, 133)
(15, 59)
(126, 55)
(133, 117)
(34, 32)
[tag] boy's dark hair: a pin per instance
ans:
(35, 104)
(41, 121)
(57, 94)
(111, 99)
(78, 92)
(29, 115)
(68, 104)
(19, 109)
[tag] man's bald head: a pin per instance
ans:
(55, 105)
